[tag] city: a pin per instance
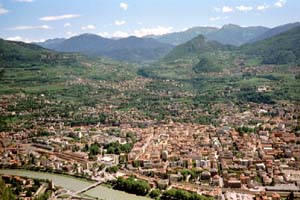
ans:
(139, 100)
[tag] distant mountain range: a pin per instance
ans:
(229, 34)
(275, 31)
(150, 48)
(178, 38)
(132, 49)
(51, 43)
(236, 35)
(281, 48)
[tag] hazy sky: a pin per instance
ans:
(35, 20)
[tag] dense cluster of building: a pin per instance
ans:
(251, 151)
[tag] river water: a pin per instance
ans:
(75, 184)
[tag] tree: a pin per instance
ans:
(112, 169)
(154, 193)
(175, 194)
(291, 196)
(28, 193)
(102, 118)
(85, 148)
(280, 57)
(1, 73)
(94, 149)
(117, 148)
(130, 185)
(205, 65)
(5, 192)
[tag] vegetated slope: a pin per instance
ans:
(236, 35)
(222, 72)
(37, 70)
(18, 54)
(115, 86)
(181, 37)
(195, 47)
(275, 31)
(88, 44)
(131, 49)
(137, 49)
(280, 49)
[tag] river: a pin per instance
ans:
(75, 184)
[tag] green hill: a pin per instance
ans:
(19, 54)
(195, 47)
(30, 69)
(280, 49)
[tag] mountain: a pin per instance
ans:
(275, 31)
(280, 49)
(195, 47)
(88, 44)
(181, 37)
(229, 34)
(131, 49)
(51, 43)
(19, 54)
(136, 49)
(236, 35)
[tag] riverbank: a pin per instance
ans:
(75, 184)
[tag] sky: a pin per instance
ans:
(38, 20)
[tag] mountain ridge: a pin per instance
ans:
(283, 48)
(275, 31)
(132, 49)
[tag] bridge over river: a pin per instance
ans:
(77, 186)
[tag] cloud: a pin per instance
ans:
(120, 34)
(214, 18)
(244, 8)
(124, 6)
(217, 9)
(25, 1)
(3, 10)
(26, 40)
(280, 3)
(67, 25)
(227, 9)
(104, 34)
(59, 17)
(218, 18)
(262, 7)
(88, 27)
(21, 28)
(184, 29)
(70, 34)
(160, 30)
(120, 22)
(15, 38)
